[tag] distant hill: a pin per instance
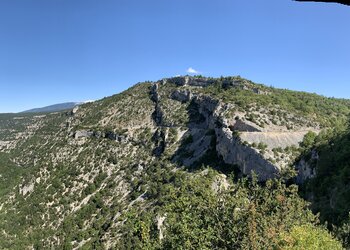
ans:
(53, 108)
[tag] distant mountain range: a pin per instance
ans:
(54, 108)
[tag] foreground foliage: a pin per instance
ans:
(202, 212)
(329, 191)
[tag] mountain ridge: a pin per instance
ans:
(53, 108)
(113, 173)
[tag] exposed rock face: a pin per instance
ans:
(160, 226)
(99, 134)
(27, 189)
(207, 107)
(182, 95)
(3, 144)
(230, 84)
(160, 142)
(158, 113)
(189, 81)
(200, 145)
(159, 137)
(248, 159)
(154, 93)
(245, 126)
(274, 139)
(259, 91)
(307, 169)
(83, 134)
(220, 183)
(231, 148)
(114, 137)
(75, 110)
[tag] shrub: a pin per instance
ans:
(309, 237)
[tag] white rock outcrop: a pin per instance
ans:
(26, 189)
(233, 152)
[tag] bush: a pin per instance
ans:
(243, 216)
(262, 146)
(309, 237)
(309, 140)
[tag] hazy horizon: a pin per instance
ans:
(90, 100)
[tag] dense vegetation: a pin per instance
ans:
(330, 190)
(207, 211)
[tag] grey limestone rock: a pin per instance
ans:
(182, 95)
(233, 152)
(189, 81)
(83, 134)
(245, 126)
(307, 169)
(231, 148)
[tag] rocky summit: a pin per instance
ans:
(180, 163)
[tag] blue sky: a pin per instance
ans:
(75, 50)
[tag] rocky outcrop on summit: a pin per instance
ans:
(203, 82)
(189, 81)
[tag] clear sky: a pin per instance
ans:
(54, 51)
